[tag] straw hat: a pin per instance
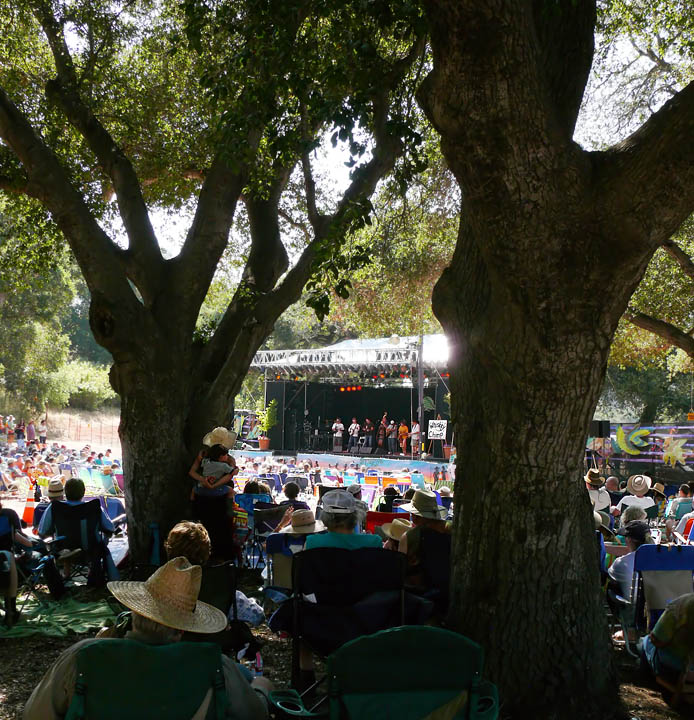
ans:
(220, 436)
(602, 524)
(170, 597)
(303, 523)
(445, 491)
(639, 485)
(396, 529)
(424, 504)
(55, 490)
(659, 488)
(593, 478)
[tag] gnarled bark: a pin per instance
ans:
(530, 317)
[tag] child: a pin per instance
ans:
(217, 469)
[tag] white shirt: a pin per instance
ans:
(600, 497)
(338, 427)
(622, 571)
(642, 502)
(354, 429)
(415, 431)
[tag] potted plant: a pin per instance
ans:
(267, 419)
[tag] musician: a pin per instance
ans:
(338, 428)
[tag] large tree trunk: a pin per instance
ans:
(552, 242)
(525, 378)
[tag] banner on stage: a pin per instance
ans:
(437, 429)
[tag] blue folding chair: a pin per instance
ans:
(253, 544)
(661, 574)
(280, 549)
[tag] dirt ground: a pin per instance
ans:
(24, 661)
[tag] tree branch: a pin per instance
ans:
(565, 33)
(296, 225)
(147, 263)
(665, 330)
(683, 260)
(98, 257)
(648, 179)
(314, 217)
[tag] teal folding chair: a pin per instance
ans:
(119, 679)
(386, 675)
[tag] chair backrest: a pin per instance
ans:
(661, 573)
(371, 480)
(340, 578)
(374, 519)
(435, 561)
(364, 681)
(387, 481)
(652, 512)
(281, 548)
(5, 526)
(301, 480)
(248, 501)
(688, 528)
(683, 507)
(266, 519)
(167, 681)
(78, 524)
(218, 586)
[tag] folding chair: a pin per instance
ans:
(684, 506)
(364, 682)
(280, 549)
(301, 480)
(435, 563)
(661, 574)
(356, 592)
(374, 519)
(79, 528)
(252, 544)
(168, 681)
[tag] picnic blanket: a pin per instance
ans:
(60, 618)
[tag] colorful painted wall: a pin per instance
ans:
(659, 444)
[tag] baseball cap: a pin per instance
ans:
(339, 502)
(354, 488)
(637, 530)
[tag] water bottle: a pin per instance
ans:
(258, 667)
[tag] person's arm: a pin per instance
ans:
(193, 472)
(286, 518)
(224, 479)
(247, 701)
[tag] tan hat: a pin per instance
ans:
(445, 491)
(639, 485)
(593, 478)
(303, 523)
(396, 529)
(424, 504)
(602, 524)
(220, 436)
(170, 597)
(56, 490)
(659, 488)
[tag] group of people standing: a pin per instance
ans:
(388, 437)
(22, 433)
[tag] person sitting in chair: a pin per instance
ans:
(291, 491)
(426, 513)
(340, 516)
(163, 608)
(668, 649)
(74, 495)
(684, 494)
(638, 486)
(8, 565)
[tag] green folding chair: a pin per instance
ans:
(119, 679)
(387, 675)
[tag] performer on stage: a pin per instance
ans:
(338, 429)
(415, 437)
(403, 432)
(368, 433)
(392, 435)
(353, 432)
(381, 434)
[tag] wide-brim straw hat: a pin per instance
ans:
(396, 529)
(602, 524)
(639, 484)
(424, 504)
(170, 597)
(303, 523)
(593, 478)
(659, 488)
(220, 436)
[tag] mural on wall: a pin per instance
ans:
(656, 445)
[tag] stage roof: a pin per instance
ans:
(368, 356)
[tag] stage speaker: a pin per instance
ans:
(354, 450)
(366, 450)
(599, 428)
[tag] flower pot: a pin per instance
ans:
(263, 443)
(447, 452)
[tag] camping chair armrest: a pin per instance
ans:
(120, 519)
(290, 704)
(681, 540)
(487, 702)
